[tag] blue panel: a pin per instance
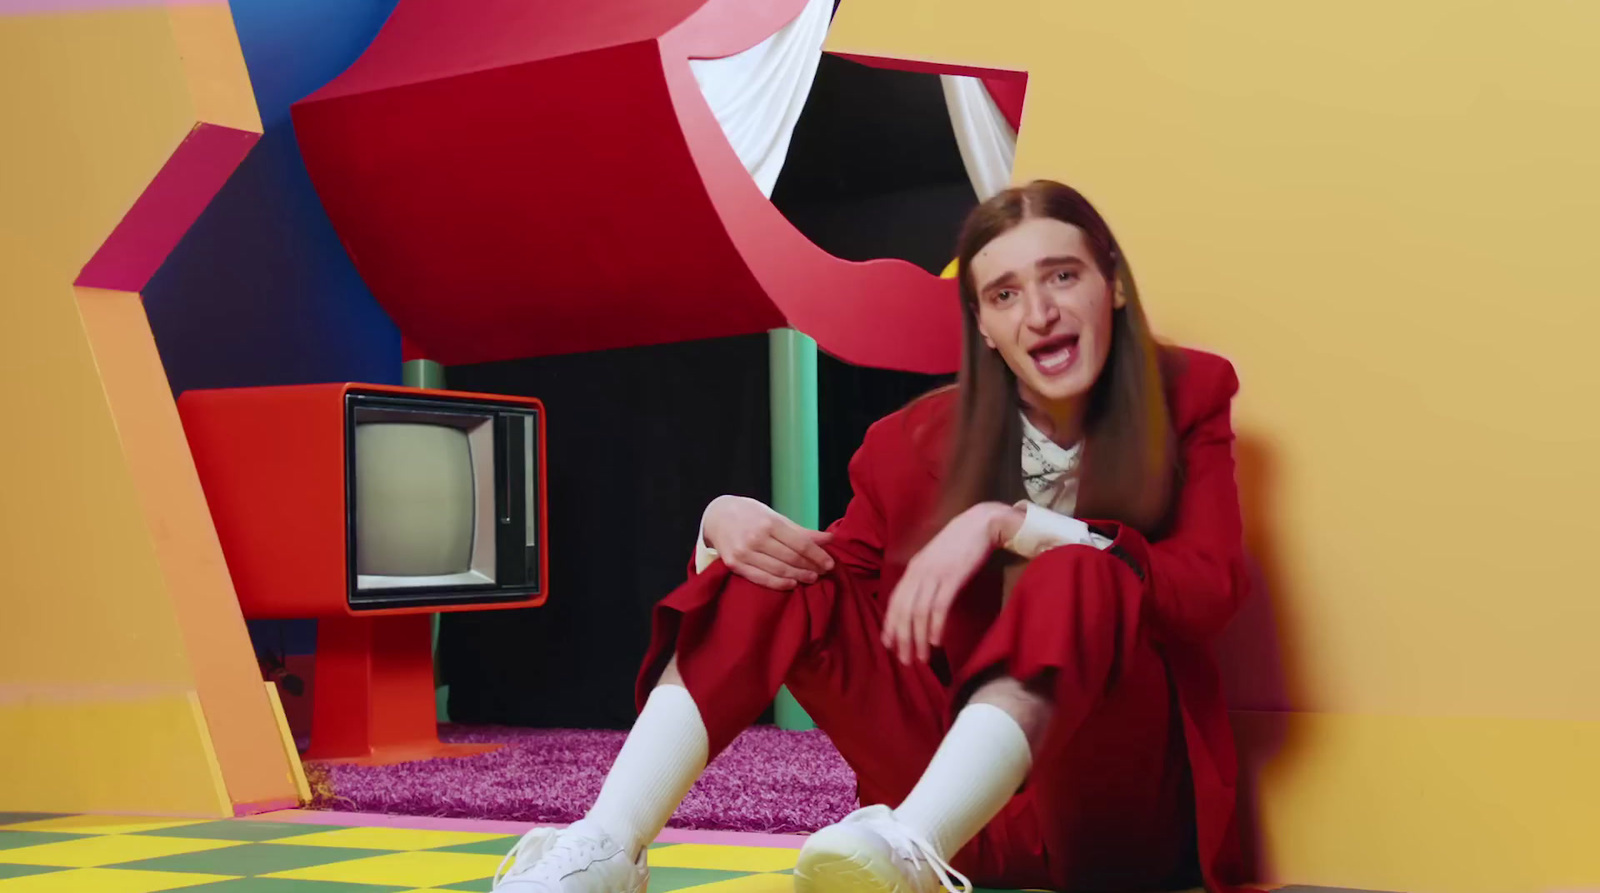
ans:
(260, 290)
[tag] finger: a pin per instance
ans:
(893, 620)
(799, 568)
(919, 625)
(800, 541)
(778, 568)
(758, 576)
(889, 615)
(903, 640)
(924, 619)
(941, 610)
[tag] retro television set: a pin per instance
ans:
(370, 507)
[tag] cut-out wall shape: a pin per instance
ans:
(128, 676)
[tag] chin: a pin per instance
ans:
(1060, 390)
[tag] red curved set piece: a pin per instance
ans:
(516, 179)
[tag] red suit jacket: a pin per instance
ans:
(1193, 577)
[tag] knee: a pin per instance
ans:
(1073, 584)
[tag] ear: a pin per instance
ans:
(1119, 294)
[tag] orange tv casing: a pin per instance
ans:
(273, 462)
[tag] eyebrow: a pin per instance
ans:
(1061, 260)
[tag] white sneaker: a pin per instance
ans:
(581, 858)
(871, 851)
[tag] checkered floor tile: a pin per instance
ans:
(99, 854)
(86, 854)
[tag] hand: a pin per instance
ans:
(914, 622)
(762, 545)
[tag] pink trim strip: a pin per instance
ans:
(733, 838)
(167, 208)
(242, 810)
(490, 826)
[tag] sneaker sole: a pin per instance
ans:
(845, 872)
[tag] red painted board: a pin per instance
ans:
(514, 185)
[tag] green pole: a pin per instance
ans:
(422, 374)
(430, 374)
(795, 488)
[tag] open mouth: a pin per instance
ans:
(1055, 354)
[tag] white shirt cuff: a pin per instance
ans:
(1043, 529)
(704, 555)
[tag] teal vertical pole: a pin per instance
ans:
(795, 486)
(422, 374)
(430, 374)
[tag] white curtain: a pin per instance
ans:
(757, 94)
(988, 143)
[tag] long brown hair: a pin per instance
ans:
(1128, 456)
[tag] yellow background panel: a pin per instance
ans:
(219, 84)
(1384, 215)
(111, 748)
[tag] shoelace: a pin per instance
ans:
(911, 846)
(568, 848)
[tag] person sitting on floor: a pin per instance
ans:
(1006, 635)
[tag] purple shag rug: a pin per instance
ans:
(767, 781)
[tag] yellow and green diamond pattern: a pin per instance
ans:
(97, 854)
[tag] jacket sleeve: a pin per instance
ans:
(1195, 576)
(858, 536)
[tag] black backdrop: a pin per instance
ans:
(641, 439)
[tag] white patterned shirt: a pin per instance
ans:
(1050, 475)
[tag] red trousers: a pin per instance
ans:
(1109, 803)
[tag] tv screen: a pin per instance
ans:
(415, 503)
(423, 483)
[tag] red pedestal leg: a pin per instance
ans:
(373, 696)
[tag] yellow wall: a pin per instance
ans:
(120, 620)
(1384, 214)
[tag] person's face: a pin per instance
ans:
(1044, 305)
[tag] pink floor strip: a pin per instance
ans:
(733, 838)
(493, 826)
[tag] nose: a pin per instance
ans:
(1040, 311)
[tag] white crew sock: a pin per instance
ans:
(662, 756)
(977, 768)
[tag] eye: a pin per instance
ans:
(1062, 277)
(1003, 296)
